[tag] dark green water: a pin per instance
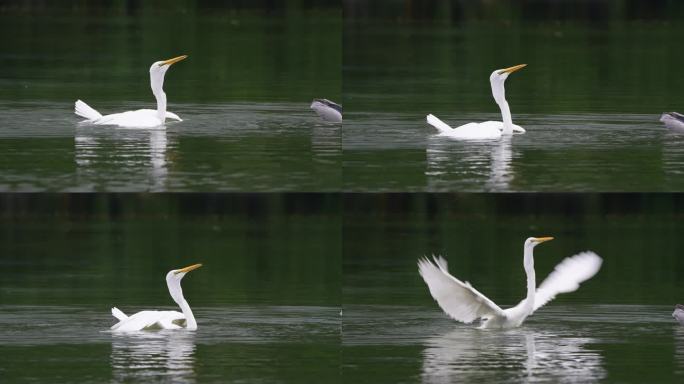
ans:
(590, 98)
(617, 327)
(244, 94)
(266, 300)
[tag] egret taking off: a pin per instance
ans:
(489, 130)
(148, 320)
(327, 110)
(464, 303)
(141, 118)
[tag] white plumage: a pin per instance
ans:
(141, 118)
(464, 303)
(488, 130)
(567, 277)
(150, 320)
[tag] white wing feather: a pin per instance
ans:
(116, 312)
(567, 276)
(441, 126)
(84, 110)
(459, 300)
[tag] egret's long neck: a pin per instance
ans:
(531, 278)
(176, 293)
(190, 323)
(161, 104)
(506, 116)
(157, 85)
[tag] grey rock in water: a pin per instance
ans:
(678, 313)
(327, 110)
(673, 120)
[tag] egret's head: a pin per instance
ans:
(497, 79)
(173, 279)
(158, 70)
(534, 241)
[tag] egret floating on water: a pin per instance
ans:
(464, 303)
(673, 121)
(145, 320)
(141, 118)
(327, 110)
(489, 130)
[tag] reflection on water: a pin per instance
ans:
(583, 152)
(509, 355)
(158, 158)
(139, 152)
(254, 344)
(217, 147)
(678, 336)
(164, 355)
(559, 343)
(489, 161)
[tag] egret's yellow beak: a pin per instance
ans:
(187, 269)
(174, 60)
(512, 69)
(543, 239)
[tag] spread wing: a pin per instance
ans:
(459, 300)
(567, 276)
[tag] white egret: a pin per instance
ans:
(327, 110)
(489, 130)
(673, 121)
(145, 320)
(464, 303)
(141, 118)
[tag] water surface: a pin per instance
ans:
(244, 93)
(232, 344)
(617, 327)
(587, 152)
(266, 299)
(218, 147)
(590, 98)
(566, 344)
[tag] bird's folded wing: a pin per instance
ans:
(567, 276)
(459, 300)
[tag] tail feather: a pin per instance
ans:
(441, 126)
(84, 110)
(116, 312)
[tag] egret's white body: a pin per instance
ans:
(141, 118)
(148, 320)
(673, 121)
(327, 110)
(464, 303)
(488, 130)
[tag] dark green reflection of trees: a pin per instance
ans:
(238, 51)
(116, 249)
